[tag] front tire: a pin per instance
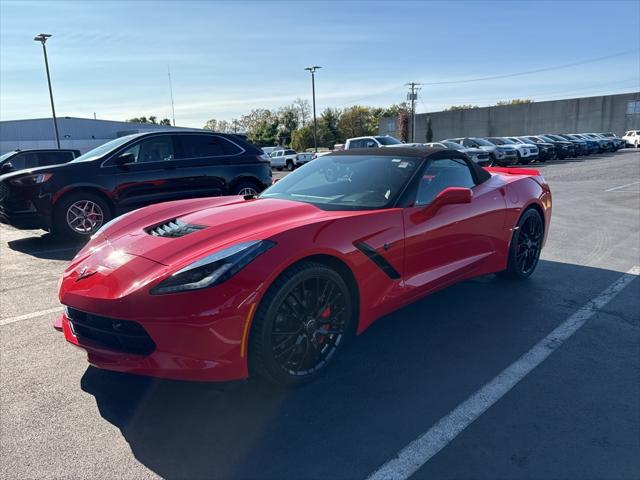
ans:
(301, 324)
(245, 188)
(79, 215)
(290, 165)
(526, 245)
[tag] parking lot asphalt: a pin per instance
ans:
(576, 415)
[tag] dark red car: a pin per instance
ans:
(224, 288)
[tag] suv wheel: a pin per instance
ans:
(245, 188)
(289, 165)
(80, 215)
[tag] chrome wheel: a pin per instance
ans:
(248, 191)
(84, 217)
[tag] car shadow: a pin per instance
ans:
(403, 374)
(46, 247)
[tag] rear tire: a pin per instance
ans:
(77, 216)
(290, 165)
(526, 245)
(301, 324)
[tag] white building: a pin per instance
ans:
(78, 133)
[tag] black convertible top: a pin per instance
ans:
(420, 152)
(481, 175)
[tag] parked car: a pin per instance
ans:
(478, 155)
(564, 148)
(225, 289)
(526, 153)
(303, 158)
(372, 142)
(77, 198)
(617, 141)
(593, 146)
(546, 150)
(606, 144)
(579, 144)
(632, 138)
(33, 158)
(281, 159)
(270, 150)
(503, 156)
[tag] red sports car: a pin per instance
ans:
(223, 288)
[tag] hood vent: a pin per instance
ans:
(173, 229)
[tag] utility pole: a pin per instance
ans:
(413, 96)
(173, 111)
(42, 38)
(313, 93)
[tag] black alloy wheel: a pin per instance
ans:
(301, 324)
(526, 245)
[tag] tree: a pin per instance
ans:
(429, 130)
(357, 121)
(287, 123)
(515, 101)
(328, 134)
(460, 107)
(303, 109)
(153, 120)
(302, 138)
(211, 125)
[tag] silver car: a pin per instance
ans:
(479, 156)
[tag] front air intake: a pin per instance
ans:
(173, 229)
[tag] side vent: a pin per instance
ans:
(173, 229)
(378, 259)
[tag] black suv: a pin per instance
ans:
(75, 199)
(21, 159)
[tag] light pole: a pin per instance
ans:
(313, 93)
(42, 38)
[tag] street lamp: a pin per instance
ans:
(313, 92)
(42, 38)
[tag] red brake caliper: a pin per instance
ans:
(326, 313)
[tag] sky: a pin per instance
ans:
(228, 57)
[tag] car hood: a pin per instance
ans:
(30, 171)
(217, 223)
(473, 151)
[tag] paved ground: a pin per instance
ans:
(577, 415)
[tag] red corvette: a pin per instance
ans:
(223, 288)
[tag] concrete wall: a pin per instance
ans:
(577, 115)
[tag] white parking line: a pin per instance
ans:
(621, 187)
(422, 449)
(27, 316)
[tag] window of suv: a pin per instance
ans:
(152, 149)
(440, 174)
(205, 146)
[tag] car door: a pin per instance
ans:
(150, 176)
(457, 240)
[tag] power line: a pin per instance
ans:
(528, 72)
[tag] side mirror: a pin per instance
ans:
(6, 168)
(125, 159)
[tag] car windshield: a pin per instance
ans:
(388, 141)
(7, 155)
(347, 182)
(548, 138)
(453, 146)
(508, 141)
(496, 141)
(557, 137)
(527, 140)
(103, 149)
(483, 142)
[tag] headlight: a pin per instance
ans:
(31, 179)
(213, 269)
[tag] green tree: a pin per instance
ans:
(328, 133)
(302, 138)
(460, 107)
(287, 123)
(429, 131)
(515, 101)
(357, 121)
(153, 120)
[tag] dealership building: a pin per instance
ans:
(608, 113)
(77, 133)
